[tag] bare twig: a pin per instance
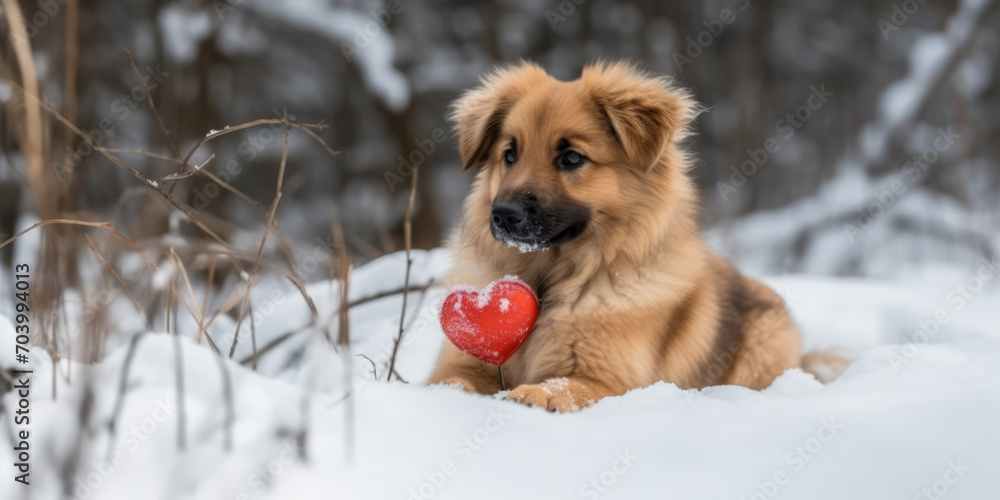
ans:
(344, 341)
(263, 241)
(407, 238)
(118, 278)
(100, 225)
(290, 333)
(152, 105)
(344, 273)
(253, 336)
(33, 149)
(69, 84)
(263, 121)
(374, 370)
(179, 379)
(152, 184)
(208, 288)
(227, 395)
(122, 389)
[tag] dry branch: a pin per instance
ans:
(407, 237)
(263, 241)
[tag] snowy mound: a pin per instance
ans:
(913, 416)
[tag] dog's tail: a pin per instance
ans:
(825, 364)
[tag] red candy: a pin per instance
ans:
(493, 323)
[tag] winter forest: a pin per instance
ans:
(223, 258)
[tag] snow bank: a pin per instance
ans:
(915, 411)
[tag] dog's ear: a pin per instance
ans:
(479, 113)
(645, 113)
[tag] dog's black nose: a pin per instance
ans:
(508, 217)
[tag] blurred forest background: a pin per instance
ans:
(891, 74)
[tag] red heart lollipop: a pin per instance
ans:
(493, 323)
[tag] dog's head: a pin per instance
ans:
(563, 158)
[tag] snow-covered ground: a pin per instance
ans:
(915, 416)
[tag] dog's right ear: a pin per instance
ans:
(479, 113)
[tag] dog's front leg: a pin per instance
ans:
(561, 394)
(458, 368)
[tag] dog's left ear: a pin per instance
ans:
(646, 114)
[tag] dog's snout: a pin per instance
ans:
(509, 217)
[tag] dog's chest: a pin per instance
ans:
(556, 348)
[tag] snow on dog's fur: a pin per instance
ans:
(583, 192)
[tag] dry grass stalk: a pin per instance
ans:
(344, 273)
(407, 240)
(179, 373)
(152, 105)
(152, 184)
(344, 340)
(229, 252)
(32, 145)
(122, 389)
(69, 91)
(263, 241)
(100, 225)
(255, 123)
(111, 270)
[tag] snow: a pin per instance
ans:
(356, 33)
(857, 225)
(164, 274)
(525, 247)
(912, 412)
(184, 28)
(929, 59)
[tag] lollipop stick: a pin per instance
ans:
(500, 370)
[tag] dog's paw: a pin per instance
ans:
(552, 395)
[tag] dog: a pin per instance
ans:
(584, 192)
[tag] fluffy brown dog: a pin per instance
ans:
(584, 194)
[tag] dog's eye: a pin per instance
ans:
(570, 160)
(509, 157)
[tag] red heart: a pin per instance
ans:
(493, 323)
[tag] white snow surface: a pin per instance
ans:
(913, 412)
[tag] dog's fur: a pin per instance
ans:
(636, 297)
